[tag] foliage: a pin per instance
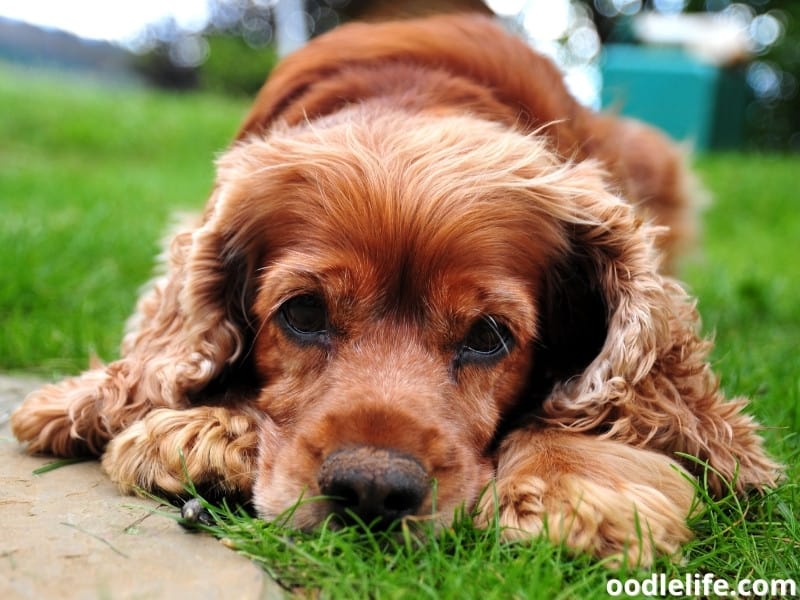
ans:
(233, 54)
(776, 123)
(234, 67)
(160, 70)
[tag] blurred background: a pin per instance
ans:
(718, 73)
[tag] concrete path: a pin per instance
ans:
(69, 534)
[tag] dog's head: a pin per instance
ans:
(397, 292)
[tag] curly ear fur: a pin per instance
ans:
(184, 335)
(643, 378)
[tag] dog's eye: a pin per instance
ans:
(487, 339)
(305, 316)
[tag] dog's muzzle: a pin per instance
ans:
(376, 485)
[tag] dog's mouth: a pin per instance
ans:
(369, 469)
(373, 486)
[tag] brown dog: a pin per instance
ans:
(423, 260)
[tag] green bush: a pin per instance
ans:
(234, 67)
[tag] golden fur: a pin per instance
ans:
(412, 182)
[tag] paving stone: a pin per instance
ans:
(69, 534)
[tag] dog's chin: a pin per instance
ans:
(307, 512)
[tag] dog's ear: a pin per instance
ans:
(619, 352)
(192, 327)
(187, 341)
(604, 308)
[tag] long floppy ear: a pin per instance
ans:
(186, 341)
(620, 354)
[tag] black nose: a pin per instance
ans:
(376, 484)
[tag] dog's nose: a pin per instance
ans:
(378, 485)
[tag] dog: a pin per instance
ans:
(426, 280)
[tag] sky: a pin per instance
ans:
(112, 20)
(120, 20)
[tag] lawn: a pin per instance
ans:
(90, 177)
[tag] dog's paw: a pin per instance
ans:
(167, 449)
(60, 418)
(594, 496)
(629, 523)
(135, 460)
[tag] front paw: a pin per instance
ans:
(135, 460)
(60, 419)
(593, 496)
(207, 446)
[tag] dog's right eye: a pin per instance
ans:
(487, 341)
(305, 316)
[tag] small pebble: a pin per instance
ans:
(193, 512)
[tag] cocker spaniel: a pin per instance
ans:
(426, 279)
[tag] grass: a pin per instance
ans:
(459, 562)
(735, 540)
(89, 179)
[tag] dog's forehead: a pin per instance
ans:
(452, 189)
(404, 252)
(414, 206)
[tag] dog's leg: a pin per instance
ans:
(79, 415)
(596, 496)
(214, 447)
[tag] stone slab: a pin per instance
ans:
(68, 533)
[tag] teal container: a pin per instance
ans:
(666, 87)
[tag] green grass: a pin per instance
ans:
(89, 179)
(735, 540)
(747, 279)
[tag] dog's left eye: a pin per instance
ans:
(305, 316)
(487, 339)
